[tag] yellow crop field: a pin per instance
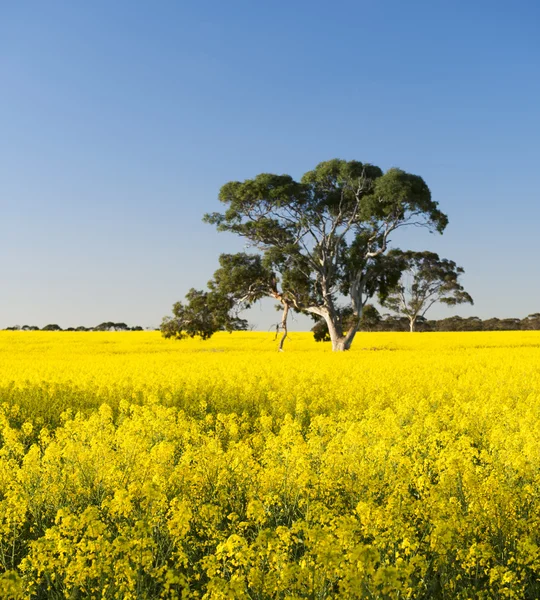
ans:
(135, 467)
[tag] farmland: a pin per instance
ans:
(137, 467)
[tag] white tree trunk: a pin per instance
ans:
(284, 326)
(336, 333)
(340, 342)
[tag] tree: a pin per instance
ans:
(371, 318)
(426, 279)
(105, 326)
(457, 323)
(202, 315)
(325, 238)
(394, 323)
(531, 321)
(52, 327)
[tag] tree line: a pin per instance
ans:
(372, 320)
(106, 326)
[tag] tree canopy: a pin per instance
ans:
(426, 280)
(202, 315)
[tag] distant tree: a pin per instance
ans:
(493, 324)
(82, 328)
(454, 323)
(110, 326)
(472, 324)
(13, 328)
(457, 323)
(370, 319)
(394, 323)
(510, 324)
(422, 324)
(29, 328)
(515, 322)
(531, 321)
(105, 326)
(137, 328)
(52, 327)
(203, 314)
(426, 279)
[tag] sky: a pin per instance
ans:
(120, 121)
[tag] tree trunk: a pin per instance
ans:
(412, 323)
(283, 326)
(340, 342)
(340, 345)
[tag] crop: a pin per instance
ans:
(137, 467)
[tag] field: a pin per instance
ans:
(137, 467)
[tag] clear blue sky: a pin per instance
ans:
(119, 122)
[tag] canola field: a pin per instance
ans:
(133, 467)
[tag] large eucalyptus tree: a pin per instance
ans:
(322, 241)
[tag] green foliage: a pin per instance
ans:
(426, 279)
(370, 318)
(110, 326)
(52, 327)
(202, 315)
(242, 278)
